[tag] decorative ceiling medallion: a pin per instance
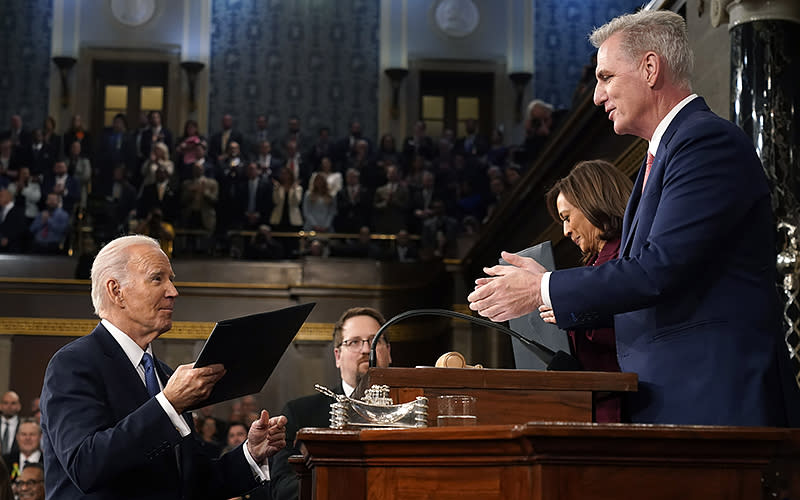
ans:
(456, 18)
(133, 13)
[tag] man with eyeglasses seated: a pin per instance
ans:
(30, 485)
(352, 337)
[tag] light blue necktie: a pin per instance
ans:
(150, 378)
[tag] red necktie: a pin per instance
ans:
(650, 159)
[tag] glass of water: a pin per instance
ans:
(456, 409)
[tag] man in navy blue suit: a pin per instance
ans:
(113, 418)
(692, 295)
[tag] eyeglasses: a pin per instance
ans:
(30, 482)
(355, 345)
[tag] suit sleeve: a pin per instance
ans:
(92, 449)
(710, 182)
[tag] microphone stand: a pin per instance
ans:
(555, 361)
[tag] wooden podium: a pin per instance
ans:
(554, 461)
(505, 396)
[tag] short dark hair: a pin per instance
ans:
(351, 313)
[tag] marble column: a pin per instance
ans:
(765, 103)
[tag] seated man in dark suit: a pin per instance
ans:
(30, 485)
(115, 423)
(352, 336)
(29, 438)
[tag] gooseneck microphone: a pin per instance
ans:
(555, 360)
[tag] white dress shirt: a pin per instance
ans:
(135, 354)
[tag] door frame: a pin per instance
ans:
(503, 101)
(176, 105)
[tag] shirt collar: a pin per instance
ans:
(348, 389)
(33, 457)
(662, 126)
(131, 348)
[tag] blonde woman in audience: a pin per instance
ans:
(319, 207)
(334, 178)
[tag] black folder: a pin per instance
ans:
(250, 348)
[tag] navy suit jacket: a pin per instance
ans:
(693, 293)
(103, 437)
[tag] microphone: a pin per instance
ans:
(555, 361)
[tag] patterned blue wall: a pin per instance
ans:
(561, 44)
(25, 33)
(316, 59)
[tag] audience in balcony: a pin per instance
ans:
(49, 228)
(269, 165)
(254, 198)
(418, 144)
(323, 147)
(261, 133)
(391, 203)
(156, 132)
(80, 168)
(13, 226)
(162, 194)
(213, 187)
(60, 182)
(39, 156)
(27, 193)
(319, 207)
(199, 196)
(191, 148)
(404, 249)
(49, 134)
(219, 141)
(262, 245)
(76, 132)
(353, 204)
(472, 144)
(287, 197)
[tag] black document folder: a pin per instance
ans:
(250, 348)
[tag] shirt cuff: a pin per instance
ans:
(261, 471)
(545, 289)
(180, 424)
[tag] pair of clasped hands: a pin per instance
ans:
(511, 291)
(189, 386)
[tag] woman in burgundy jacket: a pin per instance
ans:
(590, 203)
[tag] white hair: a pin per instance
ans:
(112, 263)
(661, 31)
(539, 103)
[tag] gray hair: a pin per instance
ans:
(662, 31)
(539, 103)
(112, 263)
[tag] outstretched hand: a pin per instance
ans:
(508, 292)
(266, 436)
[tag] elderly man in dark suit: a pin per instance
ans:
(692, 294)
(114, 418)
(352, 336)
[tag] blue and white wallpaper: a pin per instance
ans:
(316, 59)
(25, 34)
(561, 42)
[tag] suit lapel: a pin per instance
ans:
(130, 378)
(631, 217)
(632, 212)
